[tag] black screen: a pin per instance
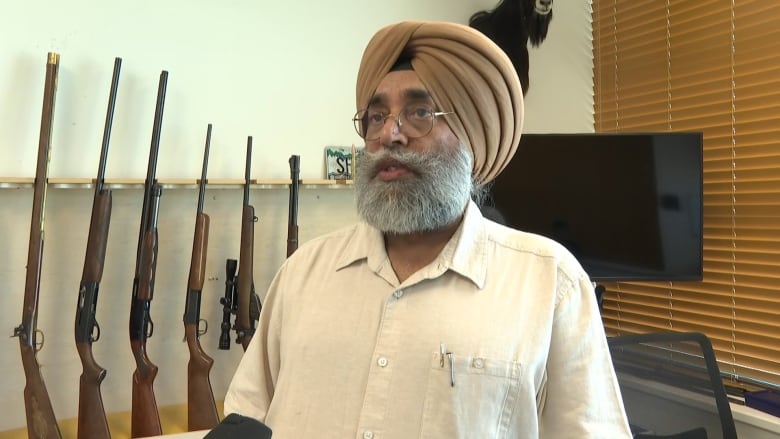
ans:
(627, 205)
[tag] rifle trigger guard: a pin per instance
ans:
(205, 327)
(39, 344)
(150, 329)
(95, 337)
(255, 219)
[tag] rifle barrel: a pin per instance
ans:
(202, 193)
(292, 223)
(248, 170)
(107, 127)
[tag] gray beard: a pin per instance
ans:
(433, 197)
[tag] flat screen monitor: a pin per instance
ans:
(627, 205)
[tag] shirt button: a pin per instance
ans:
(478, 363)
(398, 294)
(382, 362)
(368, 434)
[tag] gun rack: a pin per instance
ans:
(171, 183)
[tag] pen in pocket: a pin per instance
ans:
(442, 352)
(452, 369)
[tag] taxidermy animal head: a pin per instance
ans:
(511, 24)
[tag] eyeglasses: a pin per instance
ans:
(413, 121)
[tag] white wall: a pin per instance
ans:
(248, 67)
(560, 97)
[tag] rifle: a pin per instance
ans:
(92, 421)
(41, 422)
(229, 303)
(248, 302)
(201, 409)
(292, 222)
(145, 421)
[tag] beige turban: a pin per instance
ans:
(465, 72)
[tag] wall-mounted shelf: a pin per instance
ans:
(171, 183)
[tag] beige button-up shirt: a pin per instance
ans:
(499, 337)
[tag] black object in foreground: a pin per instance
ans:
(237, 427)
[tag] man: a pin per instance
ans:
(427, 320)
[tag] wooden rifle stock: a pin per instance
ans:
(248, 304)
(92, 417)
(92, 423)
(201, 409)
(292, 222)
(145, 420)
(41, 422)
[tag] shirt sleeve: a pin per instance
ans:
(252, 387)
(582, 394)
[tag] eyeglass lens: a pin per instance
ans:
(414, 121)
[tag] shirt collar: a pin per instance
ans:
(465, 253)
(365, 243)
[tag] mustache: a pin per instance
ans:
(374, 162)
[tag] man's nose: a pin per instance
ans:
(391, 130)
(395, 122)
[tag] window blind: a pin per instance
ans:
(711, 66)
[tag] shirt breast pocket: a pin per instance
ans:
(469, 396)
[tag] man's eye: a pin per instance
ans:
(373, 117)
(419, 113)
